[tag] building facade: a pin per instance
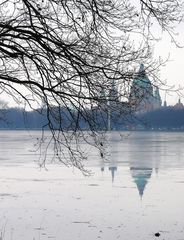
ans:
(143, 96)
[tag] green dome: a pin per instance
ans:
(141, 87)
(142, 80)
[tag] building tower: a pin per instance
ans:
(142, 97)
(103, 99)
(113, 95)
(157, 99)
(179, 105)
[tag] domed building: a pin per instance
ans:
(143, 96)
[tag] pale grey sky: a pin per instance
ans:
(173, 71)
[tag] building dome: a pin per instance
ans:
(141, 88)
(141, 80)
(143, 97)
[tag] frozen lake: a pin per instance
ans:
(136, 192)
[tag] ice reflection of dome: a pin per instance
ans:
(113, 169)
(141, 177)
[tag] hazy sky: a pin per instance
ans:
(173, 71)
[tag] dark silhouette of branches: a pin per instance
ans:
(69, 54)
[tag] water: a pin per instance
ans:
(137, 191)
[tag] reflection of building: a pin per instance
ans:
(141, 177)
(112, 169)
(110, 163)
(143, 97)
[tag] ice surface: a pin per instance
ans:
(134, 193)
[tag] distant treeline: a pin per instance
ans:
(17, 118)
(165, 118)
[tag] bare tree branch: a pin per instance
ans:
(68, 54)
